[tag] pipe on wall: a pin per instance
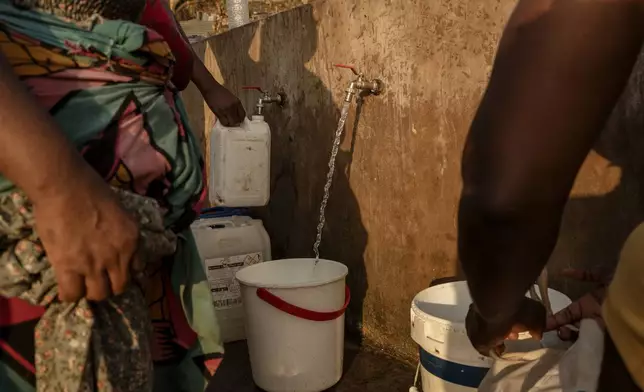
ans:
(238, 13)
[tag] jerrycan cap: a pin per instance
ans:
(257, 117)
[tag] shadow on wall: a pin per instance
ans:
(595, 228)
(609, 201)
(302, 136)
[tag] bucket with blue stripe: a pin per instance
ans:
(448, 361)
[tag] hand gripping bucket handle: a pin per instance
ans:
(302, 313)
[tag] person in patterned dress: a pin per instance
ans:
(91, 101)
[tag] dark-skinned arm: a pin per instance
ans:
(560, 68)
(226, 106)
(34, 153)
(90, 240)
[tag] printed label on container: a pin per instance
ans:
(221, 276)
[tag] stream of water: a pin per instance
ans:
(329, 178)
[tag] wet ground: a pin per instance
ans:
(365, 371)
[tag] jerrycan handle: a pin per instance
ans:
(221, 223)
(244, 125)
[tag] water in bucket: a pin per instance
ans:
(295, 323)
(295, 312)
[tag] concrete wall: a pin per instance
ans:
(392, 213)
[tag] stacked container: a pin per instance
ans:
(226, 245)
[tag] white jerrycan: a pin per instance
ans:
(240, 164)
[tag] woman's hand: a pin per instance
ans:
(226, 106)
(487, 336)
(588, 306)
(89, 239)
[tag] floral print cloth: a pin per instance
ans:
(107, 83)
(105, 345)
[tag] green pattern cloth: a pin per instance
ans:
(82, 346)
(107, 85)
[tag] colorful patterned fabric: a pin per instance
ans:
(82, 346)
(84, 10)
(107, 86)
(158, 17)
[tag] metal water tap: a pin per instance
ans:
(266, 98)
(361, 85)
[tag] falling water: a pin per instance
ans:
(329, 178)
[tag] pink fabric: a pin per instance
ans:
(212, 365)
(133, 147)
(157, 16)
(15, 311)
(183, 335)
(49, 90)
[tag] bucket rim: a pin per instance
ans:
(319, 283)
(419, 313)
(459, 326)
(456, 326)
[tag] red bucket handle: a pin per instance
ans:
(302, 313)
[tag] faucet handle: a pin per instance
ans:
(345, 66)
(256, 88)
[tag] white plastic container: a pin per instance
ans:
(240, 164)
(449, 363)
(227, 245)
(295, 323)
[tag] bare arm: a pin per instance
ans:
(201, 77)
(222, 102)
(226, 106)
(34, 153)
(89, 239)
(559, 71)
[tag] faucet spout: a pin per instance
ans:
(350, 92)
(266, 98)
(372, 87)
(361, 86)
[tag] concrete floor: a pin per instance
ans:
(365, 371)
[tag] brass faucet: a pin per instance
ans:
(266, 98)
(361, 85)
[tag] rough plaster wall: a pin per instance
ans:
(391, 217)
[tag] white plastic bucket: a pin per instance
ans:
(295, 323)
(449, 363)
